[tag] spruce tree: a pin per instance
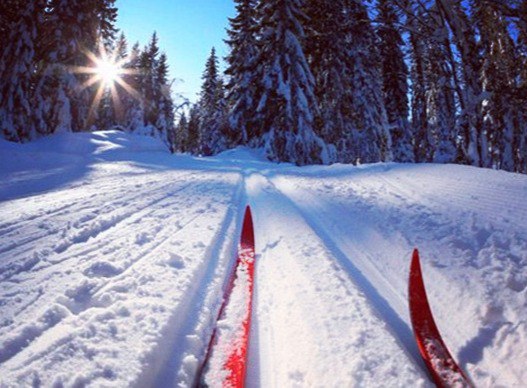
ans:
(521, 94)
(149, 89)
(286, 102)
(73, 28)
(471, 121)
(17, 67)
(133, 117)
(395, 80)
(212, 115)
(418, 103)
(440, 98)
(499, 66)
(241, 86)
(164, 104)
(373, 141)
(181, 134)
(193, 139)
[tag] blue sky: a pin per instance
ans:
(187, 30)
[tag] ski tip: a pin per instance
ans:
(416, 254)
(247, 238)
(415, 263)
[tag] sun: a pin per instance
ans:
(107, 71)
(110, 76)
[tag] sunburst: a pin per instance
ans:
(109, 73)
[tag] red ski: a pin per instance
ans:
(242, 283)
(444, 370)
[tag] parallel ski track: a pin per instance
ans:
(109, 189)
(84, 232)
(84, 214)
(167, 233)
(400, 331)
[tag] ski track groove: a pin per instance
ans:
(78, 308)
(87, 217)
(114, 187)
(102, 244)
(399, 330)
(88, 232)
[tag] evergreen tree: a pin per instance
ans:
(241, 86)
(132, 103)
(327, 51)
(471, 121)
(286, 100)
(17, 67)
(499, 82)
(181, 134)
(212, 115)
(521, 95)
(193, 139)
(440, 98)
(421, 141)
(10, 13)
(164, 104)
(395, 80)
(149, 89)
(372, 142)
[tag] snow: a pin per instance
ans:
(115, 254)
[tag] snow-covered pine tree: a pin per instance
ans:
(439, 91)
(10, 13)
(471, 121)
(132, 102)
(521, 95)
(165, 106)
(286, 100)
(241, 88)
(17, 67)
(212, 114)
(395, 80)
(418, 105)
(326, 46)
(193, 141)
(181, 134)
(149, 90)
(372, 142)
(499, 75)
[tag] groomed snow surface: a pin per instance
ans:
(114, 257)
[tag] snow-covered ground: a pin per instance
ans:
(114, 256)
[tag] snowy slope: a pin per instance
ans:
(114, 256)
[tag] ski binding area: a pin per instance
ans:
(123, 265)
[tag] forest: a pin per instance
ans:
(307, 81)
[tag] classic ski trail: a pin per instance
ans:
(304, 292)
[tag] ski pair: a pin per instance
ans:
(442, 366)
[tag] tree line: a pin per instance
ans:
(309, 81)
(322, 81)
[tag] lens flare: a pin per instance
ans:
(110, 75)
